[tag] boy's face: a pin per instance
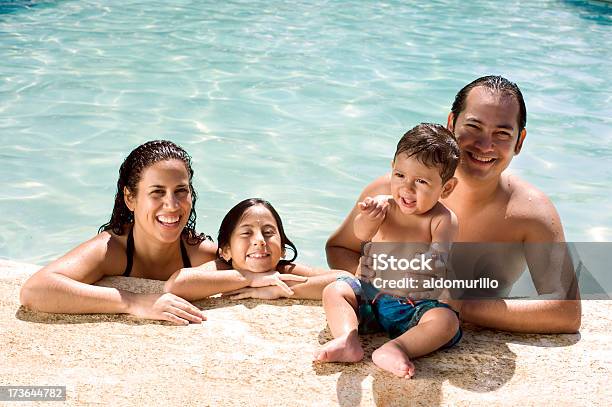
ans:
(416, 187)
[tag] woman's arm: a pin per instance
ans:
(65, 286)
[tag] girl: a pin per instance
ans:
(150, 234)
(252, 242)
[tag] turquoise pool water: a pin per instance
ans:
(301, 103)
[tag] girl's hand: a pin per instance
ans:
(274, 278)
(166, 307)
(271, 292)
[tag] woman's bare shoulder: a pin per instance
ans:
(102, 255)
(201, 253)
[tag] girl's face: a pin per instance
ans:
(255, 243)
(162, 204)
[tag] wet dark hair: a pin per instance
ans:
(130, 173)
(231, 219)
(433, 145)
(494, 84)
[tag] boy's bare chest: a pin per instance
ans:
(418, 230)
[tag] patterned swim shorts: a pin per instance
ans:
(387, 313)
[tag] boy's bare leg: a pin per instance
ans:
(435, 329)
(340, 304)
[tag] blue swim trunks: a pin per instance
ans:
(388, 313)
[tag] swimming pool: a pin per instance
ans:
(300, 103)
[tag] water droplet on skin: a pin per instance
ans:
(529, 199)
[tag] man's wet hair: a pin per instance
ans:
(130, 173)
(433, 145)
(497, 84)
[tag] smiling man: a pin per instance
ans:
(488, 118)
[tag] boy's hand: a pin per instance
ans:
(375, 208)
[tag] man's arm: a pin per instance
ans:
(343, 247)
(529, 316)
(543, 227)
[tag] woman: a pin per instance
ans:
(151, 234)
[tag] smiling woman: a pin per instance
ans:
(151, 234)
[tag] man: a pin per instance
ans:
(488, 119)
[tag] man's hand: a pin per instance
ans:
(167, 307)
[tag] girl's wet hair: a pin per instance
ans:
(130, 173)
(231, 219)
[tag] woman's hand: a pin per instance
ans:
(166, 307)
(274, 278)
(271, 292)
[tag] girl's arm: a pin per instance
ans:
(65, 286)
(311, 289)
(215, 277)
(208, 279)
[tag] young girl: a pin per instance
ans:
(251, 261)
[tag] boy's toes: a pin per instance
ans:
(320, 356)
(391, 358)
(405, 369)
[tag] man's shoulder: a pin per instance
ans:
(380, 186)
(525, 200)
(531, 207)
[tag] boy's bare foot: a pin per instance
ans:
(343, 349)
(392, 358)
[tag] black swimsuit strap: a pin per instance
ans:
(129, 252)
(185, 256)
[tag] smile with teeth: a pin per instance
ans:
(258, 255)
(480, 158)
(407, 202)
(168, 220)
